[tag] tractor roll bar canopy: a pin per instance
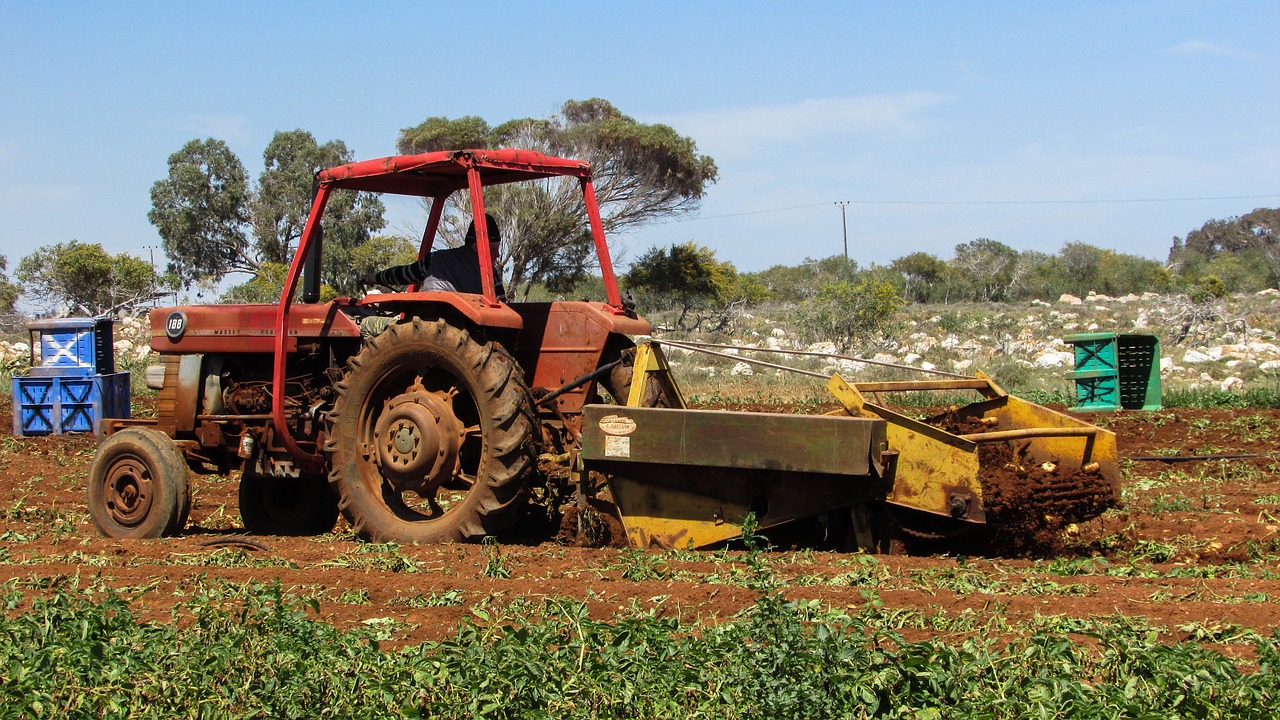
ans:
(436, 174)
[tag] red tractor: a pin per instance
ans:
(426, 431)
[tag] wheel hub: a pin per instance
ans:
(128, 492)
(417, 439)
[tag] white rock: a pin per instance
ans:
(1142, 320)
(1195, 357)
(1095, 297)
(1128, 298)
(1054, 358)
(1232, 383)
(1040, 303)
(849, 366)
(884, 357)
(1269, 365)
(1166, 363)
(926, 365)
(1093, 326)
(778, 332)
(910, 359)
(1070, 299)
(823, 347)
(962, 365)
(1269, 292)
(742, 370)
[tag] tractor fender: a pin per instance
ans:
(471, 306)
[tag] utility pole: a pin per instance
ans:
(845, 226)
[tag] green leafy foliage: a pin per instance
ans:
(641, 173)
(280, 206)
(201, 211)
(206, 207)
(266, 286)
(9, 291)
(85, 278)
(687, 277)
(258, 652)
(1244, 252)
(847, 313)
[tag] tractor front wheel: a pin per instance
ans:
(138, 485)
(431, 436)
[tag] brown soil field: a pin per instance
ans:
(1193, 551)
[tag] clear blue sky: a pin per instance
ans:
(940, 122)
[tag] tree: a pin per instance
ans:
(1252, 239)
(989, 266)
(201, 211)
(850, 312)
(687, 277)
(798, 283)
(9, 291)
(642, 173)
(282, 202)
(381, 251)
(922, 275)
(85, 278)
(205, 209)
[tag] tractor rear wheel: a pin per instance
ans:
(287, 506)
(138, 485)
(431, 436)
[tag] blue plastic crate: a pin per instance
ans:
(56, 404)
(74, 346)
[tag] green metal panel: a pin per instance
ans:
(715, 438)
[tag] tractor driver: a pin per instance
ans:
(448, 269)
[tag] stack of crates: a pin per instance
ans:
(1116, 371)
(75, 385)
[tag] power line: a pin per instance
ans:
(980, 202)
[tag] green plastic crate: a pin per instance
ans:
(1116, 371)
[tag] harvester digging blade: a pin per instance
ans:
(1014, 469)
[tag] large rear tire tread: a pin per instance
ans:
(485, 375)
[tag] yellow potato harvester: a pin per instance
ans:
(868, 476)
